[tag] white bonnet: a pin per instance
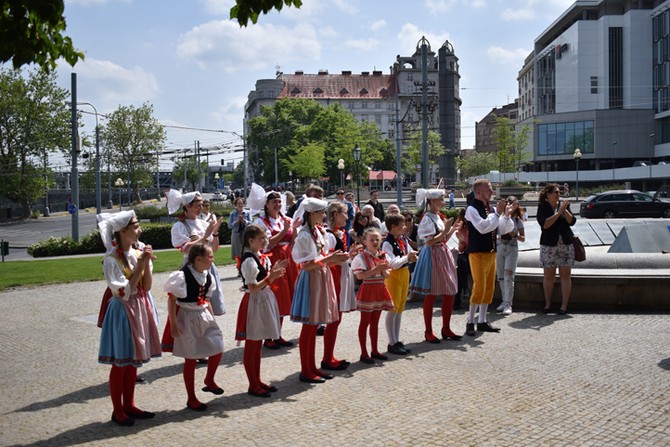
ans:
(111, 223)
(176, 200)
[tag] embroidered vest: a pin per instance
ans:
(193, 289)
(477, 242)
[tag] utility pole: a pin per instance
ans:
(425, 163)
(197, 160)
(398, 152)
(74, 177)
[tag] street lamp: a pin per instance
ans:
(119, 184)
(357, 157)
(98, 199)
(340, 166)
(577, 156)
(216, 178)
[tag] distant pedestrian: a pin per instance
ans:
(507, 255)
(452, 197)
(376, 205)
(237, 221)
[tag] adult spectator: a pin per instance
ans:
(369, 211)
(462, 262)
(483, 223)
(376, 205)
(556, 249)
(340, 197)
(349, 197)
(452, 199)
(411, 230)
(507, 255)
(237, 222)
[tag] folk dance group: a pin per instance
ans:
(298, 268)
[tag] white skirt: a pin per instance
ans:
(200, 335)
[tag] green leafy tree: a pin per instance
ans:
(132, 136)
(32, 31)
(476, 163)
(412, 158)
(510, 144)
(307, 163)
(245, 10)
(34, 123)
(188, 168)
(293, 123)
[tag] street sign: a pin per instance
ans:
(72, 208)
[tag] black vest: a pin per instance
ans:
(192, 286)
(397, 251)
(262, 273)
(339, 245)
(477, 242)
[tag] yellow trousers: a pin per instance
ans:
(398, 285)
(483, 270)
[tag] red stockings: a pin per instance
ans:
(329, 339)
(369, 319)
(122, 381)
(307, 345)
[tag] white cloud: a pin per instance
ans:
(363, 44)
(218, 7)
(478, 4)
(230, 111)
(345, 6)
(327, 31)
(226, 46)
(377, 25)
(518, 15)
(109, 84)
(92, 2)
(503, 56)
(409, 37)
(438, 6)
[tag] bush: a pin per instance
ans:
(151, 213)
(157, 235)
(36, 214)
(91, 243)
(54, 246)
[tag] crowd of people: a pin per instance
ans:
(314, 261)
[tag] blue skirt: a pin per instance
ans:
(314, 300)
(421, 277)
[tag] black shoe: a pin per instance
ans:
(339, 367)
(367, 360)
(217, 390)
(141, 415)
(402, 345)
(562, 311)
(202, 361)
(270, 388)
(396, 349)
(282, 342)
(379, 356)
(321, 330)
(470, 329)
(124, 423)
(269, 344)
(308, 380)
(201, 407)
(264, 393)
(446, 336)
(139, 379)
(486, 327)
(546, 310)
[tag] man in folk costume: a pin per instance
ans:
(484, 222)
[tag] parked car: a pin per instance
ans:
(624, 203)
(218, 196)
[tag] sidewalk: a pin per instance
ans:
(545, 380)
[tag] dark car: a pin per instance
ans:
(625, 203)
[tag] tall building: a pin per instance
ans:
(484, 141)
(600, 81)
(380, 98)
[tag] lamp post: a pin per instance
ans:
(340, 166)
(98, 199)
(357, 157)
(577, 156)
(216, 180)
(119, 184)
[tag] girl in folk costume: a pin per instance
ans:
(188, 231)
(129, 336)
(314, 302)
(398, 254)
(281, 234)
(258, 317)
(336, 240)
(196, 334)
(371, 267)
(435, 271)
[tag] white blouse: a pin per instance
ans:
(176, 283)
(112, 268)
(181, 237)
(249, 269)
(426, 230)
(304, 247)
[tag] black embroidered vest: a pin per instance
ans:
(192, 286)
(477, 242)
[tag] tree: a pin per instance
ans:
(476, 163)
(413, 151)
(511, 143)
(132, 137)
(307, 163)
(188, 168)
(291, 124)
(32, 31)
(34, 122)
(245, 10)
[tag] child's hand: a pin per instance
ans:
(281, 264)
(339, 257)
(412, 257)
(276, 272)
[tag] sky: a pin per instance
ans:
(197, 67)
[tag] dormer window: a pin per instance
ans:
(295, 91)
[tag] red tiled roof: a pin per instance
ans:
(381, 175)
(337, 86)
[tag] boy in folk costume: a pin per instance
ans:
(398, 254)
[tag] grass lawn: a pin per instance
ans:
(78, 269)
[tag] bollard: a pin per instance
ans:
(4, 249)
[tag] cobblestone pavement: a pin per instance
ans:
(577, 380)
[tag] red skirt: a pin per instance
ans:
(285, 287)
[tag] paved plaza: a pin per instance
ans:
(545, 380)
